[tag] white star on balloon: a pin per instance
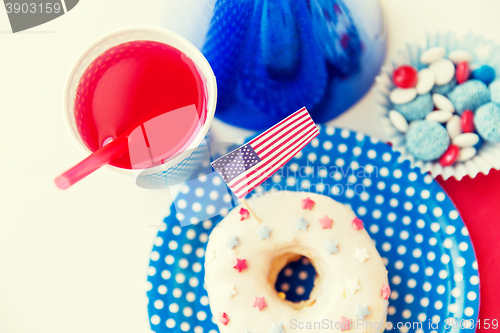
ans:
(361, 254)
(232, 242)
(301, 224)
(331, 247)
(277, 328)
(228, 290)
(352, 285)
(263, 232)
(362, 311)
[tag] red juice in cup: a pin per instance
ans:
(147, 90)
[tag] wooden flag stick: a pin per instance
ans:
(251, 210)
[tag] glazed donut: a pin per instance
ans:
(244, 257)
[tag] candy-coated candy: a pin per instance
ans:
(444, 89)
(485, 74)
(487, 122)
(402, 96)
(467, 122)
(444, 70)
(432, 55)
(462, 72)
(453, 126)
(479, 144)
(450, 156)
(466, 154)
(427, 140)
(398, 121)
(459, 56)
(441, 116)
(405, 77)
(474, 66)
(495, 91)
(442, 103)
(469, 96)
(466, 140)
(416, 109)
(426, 80)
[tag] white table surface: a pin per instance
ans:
(75, 261)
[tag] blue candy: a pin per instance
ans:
(427, 140)
(485, 74)
(469, 96)
(445, 88)
(495, 91)
(416, 109)
(480, 143)
(487, 122)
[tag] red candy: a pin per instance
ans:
(467, 122)
(450, 156)
(463, 72)
(405, 77)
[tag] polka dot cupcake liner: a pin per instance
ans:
(484, 52)
(415, 226)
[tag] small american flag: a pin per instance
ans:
(250, 165)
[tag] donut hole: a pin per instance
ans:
(295, 280)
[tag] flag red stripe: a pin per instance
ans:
(284, 150)
(265, 137)
(267, 155)
(278, 148)
(276, 127)
(289, 153)
(241, 193)
(274, 140)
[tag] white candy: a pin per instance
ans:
(398, 121)
(466, 154)
(402, 96)
(426, 80)
(466, 140)
(474, 66)
(444, 70)
(454, 127)
(432, 54)
(441, 116)
(443, 103)
(458, 56)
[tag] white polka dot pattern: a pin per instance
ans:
(417, 230)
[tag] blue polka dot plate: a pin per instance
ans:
(417, 230)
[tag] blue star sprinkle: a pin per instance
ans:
(331, 247)
(263, 232)
(232, 242)
(301, 224)
(362, 311)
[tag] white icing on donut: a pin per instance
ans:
(351, 280)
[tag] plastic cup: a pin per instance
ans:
(151, 34)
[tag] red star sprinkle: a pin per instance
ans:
(307, 203)
(223, 318)
(240, 264)
(345, 324)
(357, 223)
(326, 222)
(244, 214)
(386, 291)
(259, 302)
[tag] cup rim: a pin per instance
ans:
(189, 49)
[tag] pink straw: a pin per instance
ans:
(97, 159)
